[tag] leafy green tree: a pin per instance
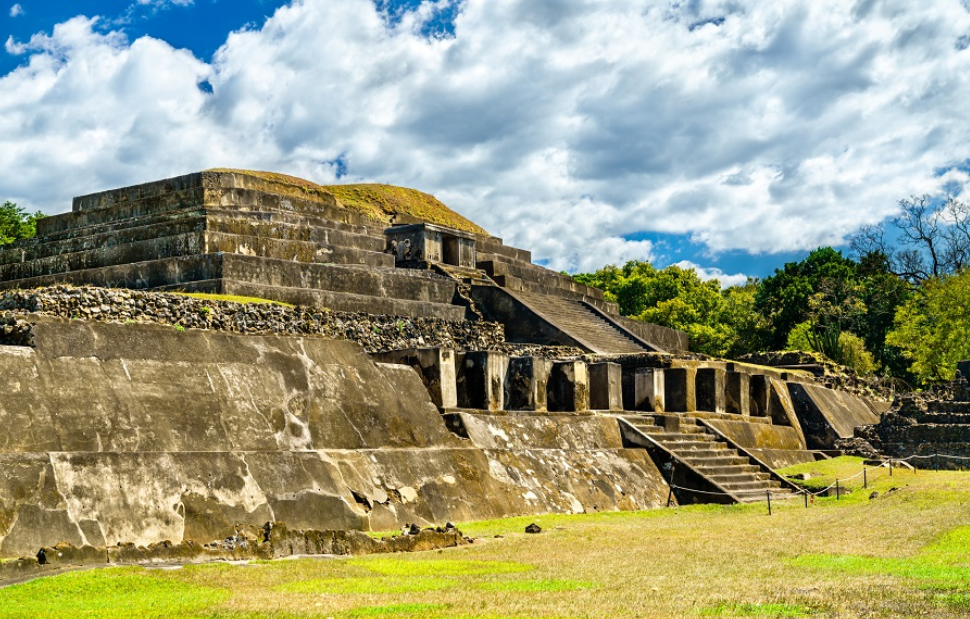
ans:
(719, 323)
(882, 292)
(15, 224)
(932, 327)
(783, 298)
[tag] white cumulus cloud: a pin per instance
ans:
(569, 127)
(707, 274)
(16, 10)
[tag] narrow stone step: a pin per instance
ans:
(734, 476)
(718, 459)
(728, 470)
(692, 455)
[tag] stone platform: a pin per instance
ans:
(231, 233)
(139, 433)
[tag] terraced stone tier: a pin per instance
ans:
(114, 433)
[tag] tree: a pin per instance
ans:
(932, 327)
(783, 298)
(927, 239)
(717, 322)
(15, 224)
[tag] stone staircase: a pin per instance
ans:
(582, 323)
(713, 469)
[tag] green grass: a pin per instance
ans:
(375, 200)
(534, 586)
(420, 566)
(364, 585)
(755, 610)
(904, 554)
(847, 469)
(205, 296)
(96, 594)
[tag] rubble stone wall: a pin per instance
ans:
(373, 332)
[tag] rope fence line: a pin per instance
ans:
(837, 484)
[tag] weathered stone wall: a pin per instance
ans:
(933, 422)
(374, 333)
(827, 415)
(115, 433)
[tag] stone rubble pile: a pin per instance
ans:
(14, 331)
(374, 333)
(935, 421)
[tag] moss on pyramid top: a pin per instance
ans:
(375, 200)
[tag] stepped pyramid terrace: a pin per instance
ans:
(411, 369)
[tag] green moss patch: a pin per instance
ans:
(388, 200)
(205, 296)
(374, 200)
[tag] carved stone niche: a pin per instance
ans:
(418, 245)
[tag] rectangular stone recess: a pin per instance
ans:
(709, 390)
(527, 383)
(416, 243)
(737, 393)
(436, 366)
(481, 380)
(643, 389)
(606, 386)
(759, 390)
(569, 387)
(679, 390)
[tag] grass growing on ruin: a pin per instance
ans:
(372, 199)
(205, 296)
(903, 554)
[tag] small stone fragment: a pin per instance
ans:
(533, 528)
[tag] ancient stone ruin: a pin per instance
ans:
(426, 373)
(931, 429)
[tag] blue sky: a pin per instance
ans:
(733, 135)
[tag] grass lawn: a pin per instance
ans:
(903, 554)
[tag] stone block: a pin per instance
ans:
(709, 390)
(643, 389)
(964, 368)
(481, 380)
(569, 387)
(680, 390)
(737, 393)
(606, 386)
(527, 383)
(436, 366)
(758, 390)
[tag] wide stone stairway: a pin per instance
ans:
(580, 322)
(713, 468)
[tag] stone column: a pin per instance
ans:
(679, 390)
(436, 366)
(481, 380)
(709, 388)
(569, 387)
(643, 389)
(606, 387)
(527, 383)
(738, 393)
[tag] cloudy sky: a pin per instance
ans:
(732, 134)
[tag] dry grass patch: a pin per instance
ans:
(904, 554)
